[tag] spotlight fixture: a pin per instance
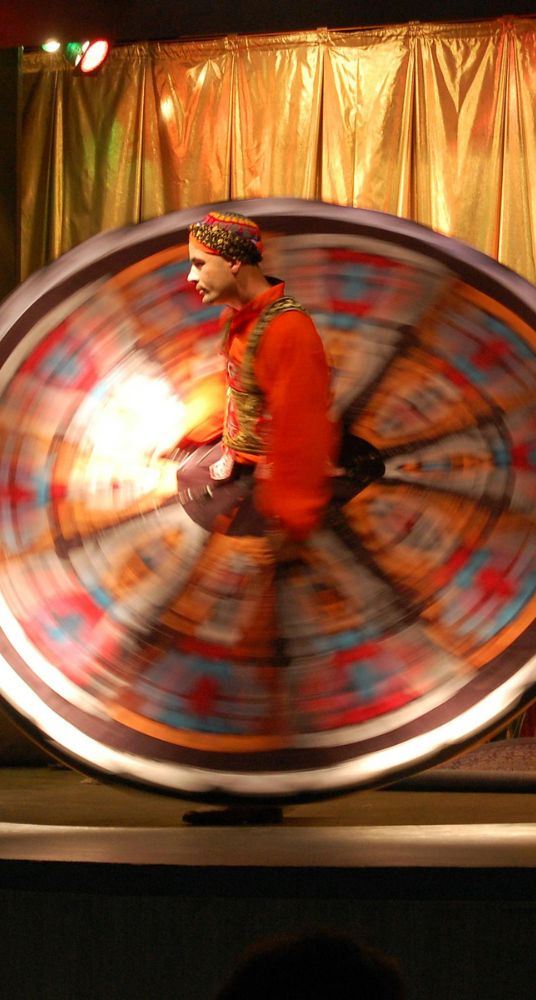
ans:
(87, 57)
(51, 45)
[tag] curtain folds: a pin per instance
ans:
(276, 116)
(434, 122)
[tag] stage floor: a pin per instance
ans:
(49, 814)
(107, 893)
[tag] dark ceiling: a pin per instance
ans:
(29, 22)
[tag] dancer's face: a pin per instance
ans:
(213, 276)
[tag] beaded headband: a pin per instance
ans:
(232, 236)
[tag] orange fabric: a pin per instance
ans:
(291, 369)
(204, 407)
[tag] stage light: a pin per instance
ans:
(87, 57)
(73, 52)
(94, 55)
(51, 45)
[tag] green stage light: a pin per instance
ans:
(73, 52)
(51, 45)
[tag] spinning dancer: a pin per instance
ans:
(276, 421)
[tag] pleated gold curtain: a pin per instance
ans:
(434, 122)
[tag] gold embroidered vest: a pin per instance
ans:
(244, 426)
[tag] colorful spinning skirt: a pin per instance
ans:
(150, 634)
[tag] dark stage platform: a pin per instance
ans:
(50, 814)
(106, 892)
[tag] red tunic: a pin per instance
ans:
(292, 372)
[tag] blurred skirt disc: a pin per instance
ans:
(147, 634)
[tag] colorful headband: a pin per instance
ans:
(233, 237)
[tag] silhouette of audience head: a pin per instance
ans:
(314, 966)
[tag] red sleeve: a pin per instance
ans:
(292, 371)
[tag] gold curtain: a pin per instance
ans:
(434, 122)
(276, 116)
